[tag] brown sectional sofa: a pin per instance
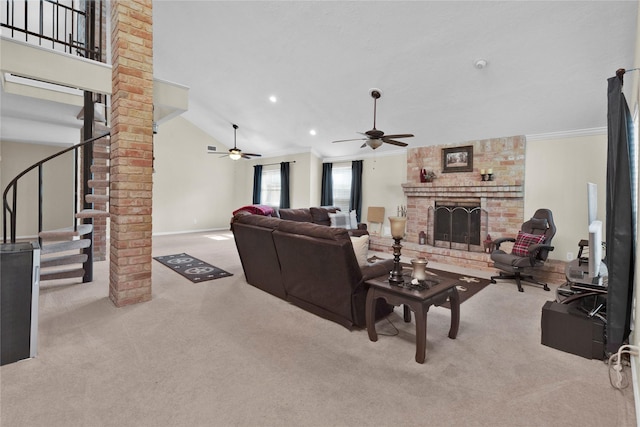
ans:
(310, 265)
(316, 215)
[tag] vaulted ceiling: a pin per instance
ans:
(546, 68)
(546, 71)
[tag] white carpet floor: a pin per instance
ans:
(223, 353)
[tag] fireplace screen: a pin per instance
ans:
(458, 226)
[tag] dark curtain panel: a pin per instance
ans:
(620, 256)
(257, 183)
(284, 185)
(355, 202)
(326, 194)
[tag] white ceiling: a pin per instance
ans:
(547, 68)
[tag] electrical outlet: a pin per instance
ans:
(569, 256)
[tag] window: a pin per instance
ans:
(341, 176)
(270, 189)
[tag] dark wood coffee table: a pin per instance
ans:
(418, 301)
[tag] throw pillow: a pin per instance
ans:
(353, 217)
(523, 241)
(361, 249)
(340, 220)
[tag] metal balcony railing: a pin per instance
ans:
(71, 26)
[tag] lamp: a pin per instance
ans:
(398, 224)
(235, 155)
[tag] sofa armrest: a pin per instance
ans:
(376, 269)
(358, 233)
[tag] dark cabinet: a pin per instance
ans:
(19, 290)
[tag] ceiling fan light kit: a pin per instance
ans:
(235, 153)
(374, 137)
(374, 143)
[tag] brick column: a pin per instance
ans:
(131, 151)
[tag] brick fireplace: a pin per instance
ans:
(501, 209)
(499, 203)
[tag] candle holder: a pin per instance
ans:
(398, 224)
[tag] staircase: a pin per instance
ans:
(67, 253)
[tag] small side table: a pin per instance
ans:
(418, 301)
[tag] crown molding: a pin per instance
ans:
(370, 154)
(567, 134)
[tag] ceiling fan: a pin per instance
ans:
(235, 153)
(374, 137)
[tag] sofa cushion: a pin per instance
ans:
(314, 230)
(300, 215)
(348, 220)
(320, 214)
(353, 216)
(361, 249)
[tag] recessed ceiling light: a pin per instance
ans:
(480, 63)
(312, 132)
(273, 99)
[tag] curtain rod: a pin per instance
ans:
(273, 164)
(620, 72)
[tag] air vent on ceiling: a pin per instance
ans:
(211, 149)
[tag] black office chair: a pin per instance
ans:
(530, 250)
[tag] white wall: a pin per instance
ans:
(556, 175)
(192, 190)
(382, 177)
(57, 186)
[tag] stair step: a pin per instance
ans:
(98, 183)
(66, 233)
(63, 260)
(99, 128)
(65, 246)
(96, 198)
(92, 213)
(101, 155)
(61, 274)
(100, 168)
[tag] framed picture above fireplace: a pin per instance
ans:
(458, 159)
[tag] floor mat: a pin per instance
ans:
(192, 268)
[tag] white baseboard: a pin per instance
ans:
(205, 230)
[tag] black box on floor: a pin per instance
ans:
(566, 328)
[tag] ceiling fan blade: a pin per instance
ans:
(363, 145)
(245, 155)
(398, 143)
(400, 135)
(345, 140)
